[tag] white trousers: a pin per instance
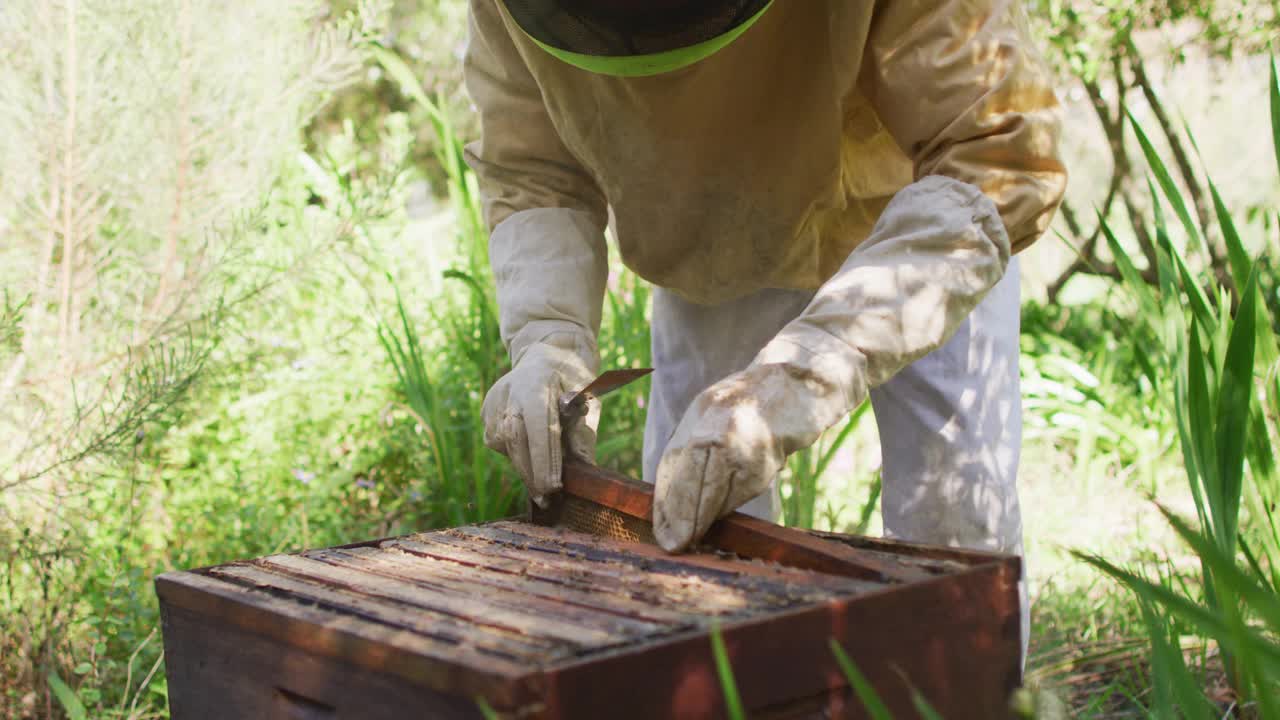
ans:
(950, 423)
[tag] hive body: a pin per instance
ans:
(550, 622)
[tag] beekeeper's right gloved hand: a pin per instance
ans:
(522, 415)
(549, 267)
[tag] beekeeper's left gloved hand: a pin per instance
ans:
(938, 248)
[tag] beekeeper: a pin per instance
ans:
(826, 195)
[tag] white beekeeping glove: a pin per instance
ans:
(939, 246)
(522, 417)
(549, 267)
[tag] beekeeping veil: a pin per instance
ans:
(633, 38)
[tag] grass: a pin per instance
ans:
(1215, 360)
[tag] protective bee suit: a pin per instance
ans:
(824, 194)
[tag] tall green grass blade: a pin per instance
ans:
(1206, 621)
(1275, 112)
(1148, 308)
(1182, 414)
(1200, 305)
(1245, 649)
(1260, 573)
(1166, 275)
(1262, 600)
(1242, 267)
(867, 695)
(918, 700)
(1235, 408)
(800, 504)
(1241, 264)
(729, 686)
(1172, 680)
(830, 453)
(869, 507)
(923, 707)
(1200, 417)
(1167, 185)
(1148, 369)
(407, 79)
(67, 698)
(486, 710)
(1162, 668)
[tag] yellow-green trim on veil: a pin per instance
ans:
(653, 63)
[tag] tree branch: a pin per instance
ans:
(1120, 170)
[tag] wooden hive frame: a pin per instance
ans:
(945, 619)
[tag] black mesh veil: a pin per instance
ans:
(623, 28)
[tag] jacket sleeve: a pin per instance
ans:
(960, 86)
(545, 213)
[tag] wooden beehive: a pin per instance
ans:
(552, 622)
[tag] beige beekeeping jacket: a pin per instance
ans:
(768, 163)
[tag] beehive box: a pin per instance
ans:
(551, 622)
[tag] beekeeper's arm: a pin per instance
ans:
(547, 218)
(963, 93)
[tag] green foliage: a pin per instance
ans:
(624, 343)
(724, 671)
(1087, 33)
(1275, 111)
(867, 695)
(1086, 390)
(467, 483)
(1210, 359)
(67, 698)
(799, 483)
(153, 225)
(486, 709)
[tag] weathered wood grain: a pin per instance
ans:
(681, 593)
(546, 622)
(518, 577)
(408, 580)
(425, 617)
(217, 672)
(957, 641)
(432, 662)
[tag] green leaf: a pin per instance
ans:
(1171, 677)
(1199, 302)
(1259, 598)
(1254, 654)
(918, 700)
(1166, 182)
(486, 709)
(1275, 112)
(869, 507)
(923, 707)
(82, 669)
(1200, 416)
(866, 694)
(1235, 400)
(1206, 621)
(67, 698)
(1241, 264)
(830, 453)
(400, 71)
(732, 700)
(1148, 308)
